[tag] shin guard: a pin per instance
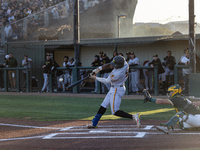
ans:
(174, 120)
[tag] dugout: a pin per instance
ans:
(143, 47)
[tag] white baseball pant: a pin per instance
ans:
(113, 98)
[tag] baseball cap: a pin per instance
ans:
(131, 53)
(155, 55)
(187, 52)
(128, 52)
(25, 55)
(71, 59)
(48, 55)
(104, 55)
(101, 52)
(7, 56)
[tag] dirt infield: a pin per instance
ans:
(118, 134)
(110, 135)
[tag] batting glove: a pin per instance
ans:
(95, 71)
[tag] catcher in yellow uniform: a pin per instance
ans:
(188, 113)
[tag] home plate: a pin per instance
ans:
(98, 131)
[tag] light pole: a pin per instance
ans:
(120, 16)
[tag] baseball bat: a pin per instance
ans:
(77, 82)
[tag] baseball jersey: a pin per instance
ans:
(133, 62)
(48, 64)
(184, 104)
(27, 64)
(185, 60)
(117, 77)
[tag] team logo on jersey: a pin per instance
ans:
(113, 61)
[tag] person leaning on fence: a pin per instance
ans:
(66, 71)
(115, 53)
(59, 74)
(127, 56)
(12, 62)
(148, 76)
(186, 71)
(105, 73)
(71, 63)
(46, 70)
(134, 75)
(96, 63)
(169, 62)
(156, 62)
(26, 63)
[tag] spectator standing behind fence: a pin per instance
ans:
(96, 62)
(71, 63)
(186, 71)
(127, 56)
(26, 63)
(12, 62)
(55, 14)
(46, 67)
(134, 75)
(148, 76)
(156, 62)
(8, 30)
(105, 73)
(59, 74)
(66, 71)
(169, 61)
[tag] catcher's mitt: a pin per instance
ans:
(147, 96)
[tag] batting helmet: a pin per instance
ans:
(118, 61)
(176, 89)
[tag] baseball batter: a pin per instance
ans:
(188, 117)
(117, 79)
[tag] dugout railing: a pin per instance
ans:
(17, 76)
(76, 77)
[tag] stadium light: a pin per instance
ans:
(120, 16)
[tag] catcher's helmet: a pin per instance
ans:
(176, 89)
(118, 61)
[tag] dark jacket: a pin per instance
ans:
(54, 68)
(48, 64)
(158, 64)
(169, 61)
(12, 62)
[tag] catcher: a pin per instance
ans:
(188, 113)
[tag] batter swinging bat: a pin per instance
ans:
(77, 82)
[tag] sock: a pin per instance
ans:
(153, 100)
(97, 117)
(123, 114)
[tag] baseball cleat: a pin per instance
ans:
(136, 119)
(90, 126)
(40, 91)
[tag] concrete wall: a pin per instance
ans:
(143, 52)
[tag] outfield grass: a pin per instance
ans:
(46, 108)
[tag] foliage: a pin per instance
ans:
(147, 30)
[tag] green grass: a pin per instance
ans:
(46, 108)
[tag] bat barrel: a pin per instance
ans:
(76, 83)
